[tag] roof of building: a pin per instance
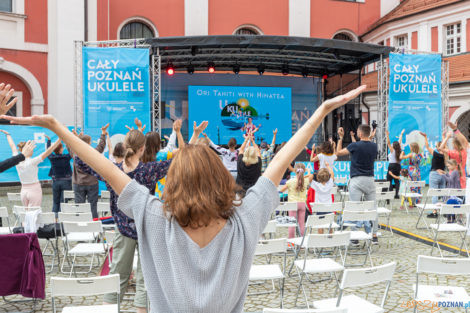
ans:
(408, 8)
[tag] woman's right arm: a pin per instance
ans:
(110, 172)
(295, 145)
(11, 143)
(459, 136)
(426, 143)
(242, 148)
(390, 147)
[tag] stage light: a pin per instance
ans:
(170, 70)
(211, 67)
(236, 69)
(285, 69)
(261, 69)
(305, 72)
(190, 69)
(325, 76)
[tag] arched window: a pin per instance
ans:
(343, 36)
(247, 30)
(134, 30)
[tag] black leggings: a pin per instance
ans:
(395, 168)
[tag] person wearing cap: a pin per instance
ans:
(267, 152)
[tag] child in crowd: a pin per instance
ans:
(403, 178)
(327, 155)
(297, 192)
(323, 186)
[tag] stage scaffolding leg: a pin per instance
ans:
(382, 107)
(156, 74)
(445, 93)
(78, 83)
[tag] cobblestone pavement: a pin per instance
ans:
(391, 248)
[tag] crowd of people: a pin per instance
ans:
(195, 210)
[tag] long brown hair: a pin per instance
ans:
(199, 188)
(133, 141)
(152, 146)
(397, 148)
(299, 169)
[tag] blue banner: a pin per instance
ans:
(24, 133)
(415, 102)
(342, 169)
(116, 89)
(229, 109)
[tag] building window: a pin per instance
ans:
(247, 31)
(401, 42)
(453, 39)
(6, 5)
(343, 36)
(134, 30)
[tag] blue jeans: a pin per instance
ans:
(90, 193)
(58, 187)
(436, 181)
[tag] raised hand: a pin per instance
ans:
(138, 123)
(338, 101)
(452, 125)
(352, 134)
(274, 131)
(5, 132)
(5, 95)
(47, 137)
(177, 125)
(423, 134)
(46, 121)
(341, 132)
(201, 127)
(104, 129)
(29, 147)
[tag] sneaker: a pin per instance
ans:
(396, 197)
(375, 240)
(355, 242)
(432, 215)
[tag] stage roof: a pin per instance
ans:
(300, 54)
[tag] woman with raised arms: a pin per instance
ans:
(198, 245)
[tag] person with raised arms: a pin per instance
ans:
(197, 246)
(361, 184)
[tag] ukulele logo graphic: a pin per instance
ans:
(235, 114)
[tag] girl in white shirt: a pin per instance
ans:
(327, 155)
(31, 191)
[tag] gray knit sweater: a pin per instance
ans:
(180, 276)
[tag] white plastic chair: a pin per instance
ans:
(284, 209)
(268, 310)
(409, 194)
(422, 207)
(270, 229)
(75, 207)
(19, 209)
(83, 287)
(69, 195)
(105, 196)
(450, 227)
(457, 192)
(270, 271)
(14, 197)
(103, 208)
(384, 209)
(382, 185)
(45, 218)
(354, 278)
(360, 212)
(83, 249)
(5, 217)
(441, 266)
(70, 238)
(321, 265)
